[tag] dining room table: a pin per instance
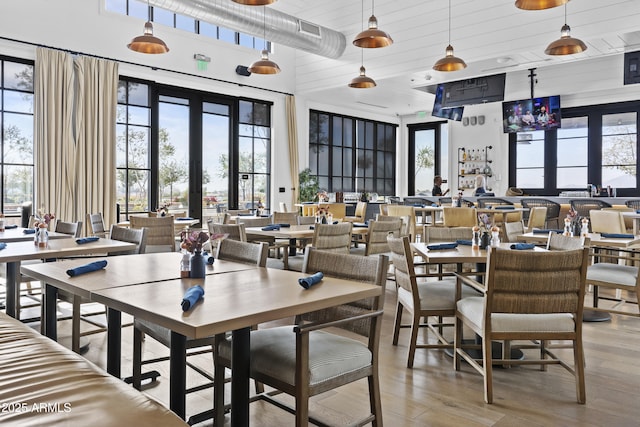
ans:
(233, 301)
(498, 214)
(294, 232)
(16, 252)
(21, 234)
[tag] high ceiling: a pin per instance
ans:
(492, 36)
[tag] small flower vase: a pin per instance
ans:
(568, 231)
(197, 265)
(485, 240)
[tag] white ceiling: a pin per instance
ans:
(492, 36)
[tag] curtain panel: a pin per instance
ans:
(292, 128)
(53, 134)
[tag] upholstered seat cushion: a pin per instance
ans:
(273, 352)
(436, 295)
(613, 273)
(473, 309)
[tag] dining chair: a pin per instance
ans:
(512, 230)
(537, 218)
(585, 206)
(527, 295)
(409, 212)
(553, 209)
(404, 230)
(233, 212)
(233, 231)
(446, 235)
(628, 221)
(376, 238)
(333, 237)
(290, 218)
(337, 210)
(73, 229)
(280, 247)
(607, 221)
(485, 202)
(421, 300)
(160, 232)
(459, 217)
(560, 242)
(359, 214)
(96, 225)
(230, 250)
(283, 207)
(308, 359)
(633, 204)
(383, 208)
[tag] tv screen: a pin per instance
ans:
(445, 113)
(479, 90)
(531, 114)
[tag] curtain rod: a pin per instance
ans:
(143, 65)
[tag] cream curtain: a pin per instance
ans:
(292, 127)
(95, 130)
(53, 134)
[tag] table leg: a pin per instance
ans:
(50, 319)
(13, 291)
(178, 374)
(114, 338)
(240, 359)
(292, 247)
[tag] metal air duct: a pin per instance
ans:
(280, 28)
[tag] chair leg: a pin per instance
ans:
(487, 367)
(543, 354)
(218, 381)
(374, 398)
(415, 326)
(457, 343)
(578, 366)
(75, 324)
(396, 328)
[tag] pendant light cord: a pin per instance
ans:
(449, 22)
(565, 14)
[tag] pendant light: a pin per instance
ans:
(449, 62)
(565, 45)
(147, 42)
(372, 37)
(255, 2)
(539, 4)
(264, 65)
(362, 81)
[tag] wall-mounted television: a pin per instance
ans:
(454, 113)
(531, 114)
(479, 90)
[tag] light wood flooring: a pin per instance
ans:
(433, 394)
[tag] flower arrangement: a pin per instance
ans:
(572, 223)
(163, 210)
(192, 241)
(484, 222)
(322, 196)
(323, 214)
(44, 219)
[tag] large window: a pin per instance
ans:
(184, 149)
(596, 145)
(139, 9)
(16, 116)
(428, 157)
(352, 155)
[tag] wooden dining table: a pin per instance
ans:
(233, 301)
(17, 252)
(18, 234)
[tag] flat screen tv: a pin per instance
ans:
(531, 114)
(445, 113)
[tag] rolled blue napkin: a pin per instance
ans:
(10, 226)
(523, 246)
(638, 211)
(191, 297)
(464, 242)
(2, 245)
(335, 222)
(440, 246)
(284, 225)
(361, 224)
(87, 268)
(265, 216)
(504, 207)
(184, 218)
(309, 281)
(311, 227)
(617, 235)
(29, 231)
(435, 205)
(546, 231)
(83, 240)
(272, 227)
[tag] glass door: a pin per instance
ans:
(216, 136)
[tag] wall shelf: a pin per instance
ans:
(472, 163)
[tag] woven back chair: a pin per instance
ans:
(633, 204)
(559, 242)
(333, 237)
(359, 214)
(459, 217)
(248, 253)
(585, 206)
(512, 230)
(537, 218)
(130, 235)
(553, 209)
(528, 295)
(311, 359)
(404, 230)
(484, 202)
(234, 231)
(160, 232)
(410, 213)
(607, 221)
(376, 242)
(421, 300)
(285, 218)
(73, 229)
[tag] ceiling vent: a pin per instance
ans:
(309, 28)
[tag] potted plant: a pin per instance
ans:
(308, 186)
